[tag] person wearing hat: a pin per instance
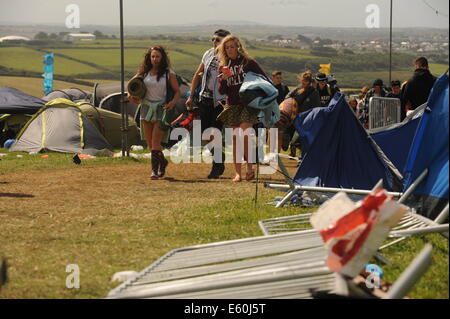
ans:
(396, 92)
(326, 92)
(377, 90)
(395, 89)
(332, 82)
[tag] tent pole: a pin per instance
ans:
(286, 187)
(123, 106)
(390, 47)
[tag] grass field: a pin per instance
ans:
(109, 57)
(106, 215)
(34, 86)
(103, 57)
(27, 59)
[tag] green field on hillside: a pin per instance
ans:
(101, 59)
(34, 86)
(22, 58)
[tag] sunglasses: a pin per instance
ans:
(215, 39)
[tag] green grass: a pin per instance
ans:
(34, 86)
(263, 51)
(434, 283)
(55, 213)
(359, 79)
(106, 216)
(353, 78)
(15, 162)
(185, 56)
(438, 69)
(27, 59)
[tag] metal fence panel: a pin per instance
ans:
(383, 111)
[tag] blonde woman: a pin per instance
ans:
(234, 63)
(305, 94)
(157, 75)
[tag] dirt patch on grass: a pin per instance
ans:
(107, 218)
(116, 188)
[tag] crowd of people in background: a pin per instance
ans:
(411, 93)
(214, 92)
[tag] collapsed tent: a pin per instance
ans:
(73, 94)
(13, 101)
(429, 150)
(339, 153)
(68, 127)
(396, 139)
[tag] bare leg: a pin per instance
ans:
(269, 140)
(148, 129)
(237, 166)
(280, 139)
(157, 135)
(248, 151)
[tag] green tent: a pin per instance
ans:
(109, 124)
(68, 127)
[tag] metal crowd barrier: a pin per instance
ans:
(383, 111)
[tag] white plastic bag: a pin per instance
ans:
(352, 232)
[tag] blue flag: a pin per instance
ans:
(48, 73)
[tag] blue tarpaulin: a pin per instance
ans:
(396, 142)
(338, 152)
(430, 150)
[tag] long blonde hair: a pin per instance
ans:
(307, 76)
(222, 54)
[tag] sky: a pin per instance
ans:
(325, 13)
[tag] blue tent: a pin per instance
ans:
(430, 150)
(13, 101)
(396, 140)
(338, 152)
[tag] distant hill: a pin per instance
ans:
(249, 30)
